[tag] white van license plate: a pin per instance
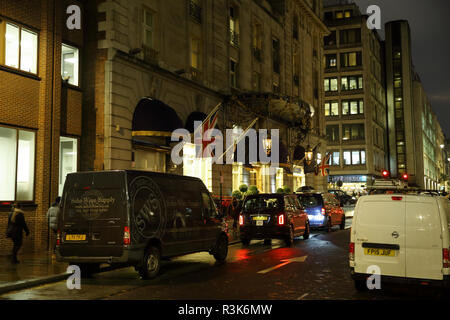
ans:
(259, 223)
(379, 252)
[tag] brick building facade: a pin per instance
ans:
(40, 112)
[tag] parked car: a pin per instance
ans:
(272, 216)
(406, 236)
(343, 197)
(323, 209)
(136, 218)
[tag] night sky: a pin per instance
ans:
(429, 21)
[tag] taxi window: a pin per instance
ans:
(261, 204)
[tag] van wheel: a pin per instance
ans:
(290, 238)
(150, 264)
(221, 249)
(342, 226)
(361, 285)
(307, 231)
(245, 241)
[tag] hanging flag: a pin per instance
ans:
(208, 124)
(323, 169)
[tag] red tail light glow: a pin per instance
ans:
(445, 258)
(397, 198)
(281, 219)
(323, 211)
(126, 236)
(241, 220)
(351, 251)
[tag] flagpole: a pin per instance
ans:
(207, 117)
(239, 138)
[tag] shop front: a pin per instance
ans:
(350, 183)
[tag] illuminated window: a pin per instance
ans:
(331, 84)
(339, 15)
(69, 64)
(68, 159)
(332, 108)
(348, 14)
(21, 47)
(195, 53)
(194, 166)
(17, 147)
(234, 26)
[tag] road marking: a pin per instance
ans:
(303, 296)
(284, 262)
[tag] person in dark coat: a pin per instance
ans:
(16, 226)
(233, 211)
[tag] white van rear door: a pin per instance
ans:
(423, 238)
(380, 235)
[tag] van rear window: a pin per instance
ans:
(309, 201)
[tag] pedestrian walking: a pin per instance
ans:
(16, 226)
(233, 211)
(52, 218)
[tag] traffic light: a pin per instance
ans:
(385, 174)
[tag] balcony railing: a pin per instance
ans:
(234, 38)
(195, 11)
(196, 75)
(150, 54)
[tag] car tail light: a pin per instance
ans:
(126, 236)
(445, 258)
(397, 198)
(323, 211)
(58, 237)
(351, 251)
(281, 219)
(241, 220)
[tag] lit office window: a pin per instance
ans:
(195, 53)
(28, 51)
(17, 164)
(68, 160)
(12, 46)
(69, 64)
(21, 47)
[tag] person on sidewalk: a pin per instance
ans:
(52, 218)
(233, 211)
(16, 226)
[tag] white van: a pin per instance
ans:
(405, 235)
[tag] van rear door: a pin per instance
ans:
(94, 214)
(380, 235)
(423, 238)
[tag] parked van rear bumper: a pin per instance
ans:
(130, 256)
(445, 282)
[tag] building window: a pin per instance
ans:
(352, 83)
(295, 27)
(353, 132)
(351, 59)
(20, 47)
(352, 107)
(257, 41)
(233, 73)
(339, 15)
(331, 61)
(69, 64)
(149, 29)
(347, 14)
(195, 10)
(197, 167)
(256, 81)
(350, 36)
(17, 164)
(276, 55)
(195, 53)
(331, 84)
(68, 159)
(330, 40)
(333, 133)
(331, 108)
(354, 157)
(234, 27)
(335, 158)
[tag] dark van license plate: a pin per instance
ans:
(75, 237)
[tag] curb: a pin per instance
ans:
(25, 284)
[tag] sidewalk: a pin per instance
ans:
(33, 270)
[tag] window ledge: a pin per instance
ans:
(71, 86)
(7, 207)
(20, 72)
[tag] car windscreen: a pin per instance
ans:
(261, 204)
(310, 200)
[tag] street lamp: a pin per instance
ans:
(267, 143)
(442, 146)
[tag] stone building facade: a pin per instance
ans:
(171, 62)
(40, 110)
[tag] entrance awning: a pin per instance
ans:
(153, 118)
